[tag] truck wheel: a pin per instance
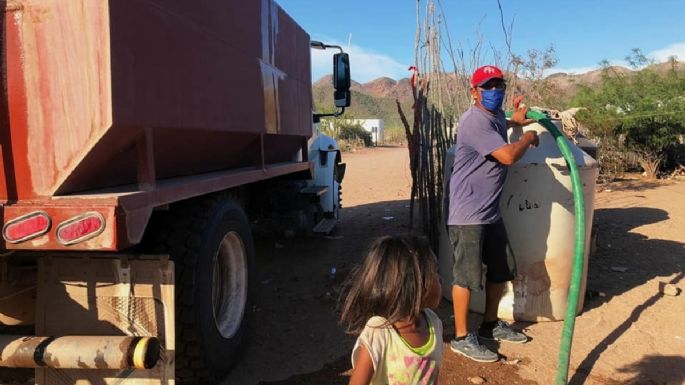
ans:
(210, 241)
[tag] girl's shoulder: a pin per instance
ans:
(376, 330)
(378, 322)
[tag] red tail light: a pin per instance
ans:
(26, 227)
(80, 228)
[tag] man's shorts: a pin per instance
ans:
(477, 245)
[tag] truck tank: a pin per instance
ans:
(88, 85)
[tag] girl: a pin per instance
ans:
(388, 301)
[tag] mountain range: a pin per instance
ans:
(376, 99)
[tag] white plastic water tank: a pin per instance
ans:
(538, 211)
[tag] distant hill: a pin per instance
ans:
(376, 99)
(372, 100)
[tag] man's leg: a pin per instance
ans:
(461, 297)
(499, 259)
(493, 294)
(467, 243)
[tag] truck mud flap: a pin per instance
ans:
(107, 296)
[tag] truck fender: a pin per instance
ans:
(328, 171)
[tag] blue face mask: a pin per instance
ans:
(492, 99)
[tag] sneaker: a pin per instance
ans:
(502, 332)
(470, 347)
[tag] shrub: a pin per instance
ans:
(642, 113)
(354, 131)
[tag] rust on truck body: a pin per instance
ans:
(79, 352)
(119, 295)
(123, 106)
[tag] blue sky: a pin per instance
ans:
(582, 32)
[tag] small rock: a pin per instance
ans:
(595, 293)
(669, 289)
(619, 269)
(512, 362)
(278, 245)
(477, 380)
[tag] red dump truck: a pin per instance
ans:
(141, 141)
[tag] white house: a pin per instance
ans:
(375, 127)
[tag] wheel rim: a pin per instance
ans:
(229, 285)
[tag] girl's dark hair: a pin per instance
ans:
(391, 281)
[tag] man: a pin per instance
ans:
(476, 231)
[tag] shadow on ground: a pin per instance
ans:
(667, 369)
(644, 259)
(335, 373)
(619, 248)
(295, 333)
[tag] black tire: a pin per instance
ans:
(207, 343)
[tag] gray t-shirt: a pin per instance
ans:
(477, 178)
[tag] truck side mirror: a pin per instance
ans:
(342, 98)
(341, 79)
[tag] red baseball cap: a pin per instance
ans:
(485, 73)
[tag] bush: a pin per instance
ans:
(352, 132)
(642, 113)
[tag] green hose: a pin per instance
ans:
(579, 245)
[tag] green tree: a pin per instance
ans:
(351, 130)
(347, 128)
(643, 111)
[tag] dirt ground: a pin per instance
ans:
(628, 333)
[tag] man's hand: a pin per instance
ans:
(532, 137)
(519, 115)
(510, 153)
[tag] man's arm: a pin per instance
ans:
(510, 153)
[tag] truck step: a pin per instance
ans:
(325, 226)
(314, 190)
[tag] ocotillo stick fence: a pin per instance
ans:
(428, 141)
